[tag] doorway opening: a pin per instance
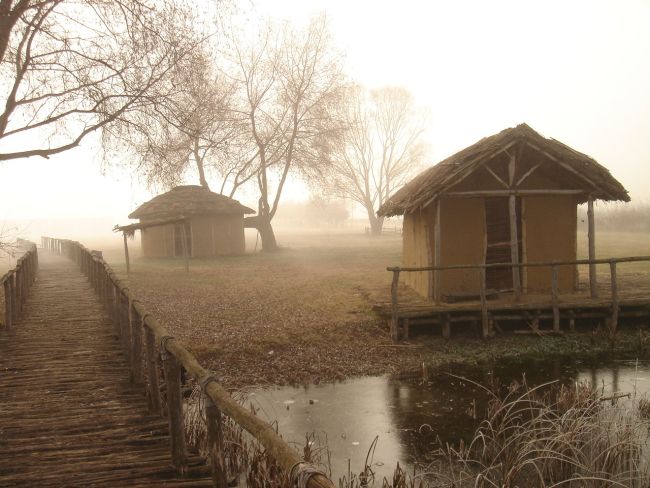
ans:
(497, 225)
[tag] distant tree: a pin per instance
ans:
(289, 84)
(380, 150)
(70, 68)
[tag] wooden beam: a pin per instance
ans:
(591, 236)
(437, 278)
(495, 176)
(527, 174)
(126, 254)
(506, 193)
(514, 246)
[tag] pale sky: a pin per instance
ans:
(577, 71)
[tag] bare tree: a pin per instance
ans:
(381, 148)
(68, 69)
(290, 83)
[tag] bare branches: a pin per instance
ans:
(380, 149)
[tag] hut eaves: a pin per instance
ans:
(432, 182)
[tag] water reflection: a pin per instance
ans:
(411, 416)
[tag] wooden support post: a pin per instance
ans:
(572, 321)
(125, 314)
(591, 236)
(446, 326)
(126, 254)
(137, 375)
(394, 323)
(14, 298)
(437, 261)
(514, 247)
(8, 304)
(485, 326)
(615, 300)
(175, 412)
(555, 298)
(214, 424)
(186, 257)
(153, 389)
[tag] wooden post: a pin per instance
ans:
(394, 323)
(186, 257)
(406, 329)
(175, 411)
(591, 235)
(514, 247)
(136, 347)
(615, 304)
(437, 261)
(485, 326)
(8, 304)
(126, 254)
(554, 299)
(153, 390)
(446, 326)
(214, 424)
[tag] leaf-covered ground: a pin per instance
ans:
(300, 315)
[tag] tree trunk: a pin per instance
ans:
(263, 225)
(376, 223)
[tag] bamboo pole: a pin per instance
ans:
(137, 375)
(214, 424)
(615, 299)
(591, 236)
(555, 299)
(394, 323)
(153, 389)
(175, 412)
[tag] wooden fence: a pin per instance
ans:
(141, 336)
(554, 298)
(16, 284)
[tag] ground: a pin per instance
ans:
(301, 315)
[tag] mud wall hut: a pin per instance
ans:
(206, 223)
(509, 198)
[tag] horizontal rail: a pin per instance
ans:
(628, 259)
(140, 332)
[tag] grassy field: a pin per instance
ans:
(300, 315)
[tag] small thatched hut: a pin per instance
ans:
(211, 224)
(509, 198)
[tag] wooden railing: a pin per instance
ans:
(554, 299)
(16, 283)
(142, 337)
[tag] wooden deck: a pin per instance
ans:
(531, 313)
(68, 414)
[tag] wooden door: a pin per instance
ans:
(497, 225)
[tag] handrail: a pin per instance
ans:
(140, 332)
(16, 284)
(482, 267)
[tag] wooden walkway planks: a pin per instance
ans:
(68, 414)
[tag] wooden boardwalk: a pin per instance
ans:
(68, 414)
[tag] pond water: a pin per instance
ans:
(411, 416)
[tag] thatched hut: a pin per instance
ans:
(190, 219)
(509, 198)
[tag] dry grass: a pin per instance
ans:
(300, 315)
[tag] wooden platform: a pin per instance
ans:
(68, 414)
(532, 312)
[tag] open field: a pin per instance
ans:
(301, 315)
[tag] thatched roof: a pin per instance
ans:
(185, 201)
(425, 187)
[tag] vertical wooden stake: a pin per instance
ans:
(437, 257)
(485, 326)
(126, 254)
(446, 326)
(615, 304)
(394, 323)
(214, 424)
(136, 343)
(8, 304)
(554, 299)
(175, 412)
(153, 389)
(591, 235)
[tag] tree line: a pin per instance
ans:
(174, 93)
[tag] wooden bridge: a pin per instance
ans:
(90, 387)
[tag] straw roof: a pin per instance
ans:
(188, 200)
(424, 188)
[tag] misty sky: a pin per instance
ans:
(577, 71)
